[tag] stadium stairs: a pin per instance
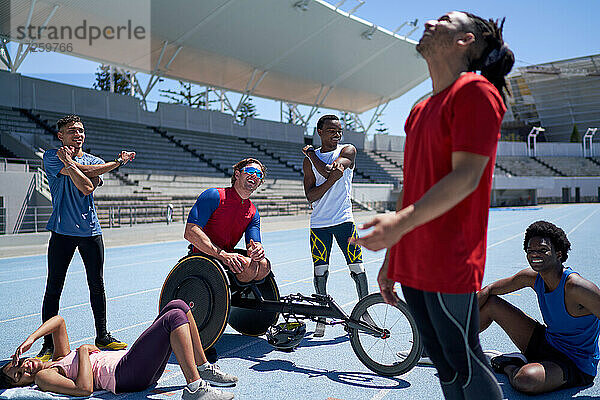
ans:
(545, 164)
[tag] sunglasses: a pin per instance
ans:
(253, 170)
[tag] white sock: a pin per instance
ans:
(193, 386)
(203, 366)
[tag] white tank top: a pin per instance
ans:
(335, 207)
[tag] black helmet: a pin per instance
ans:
(287, 335)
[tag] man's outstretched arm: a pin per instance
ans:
(520, 280)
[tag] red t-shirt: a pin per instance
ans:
(447, 254)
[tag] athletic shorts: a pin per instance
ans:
(538, 349)
(321, 240)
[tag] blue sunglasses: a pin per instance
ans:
(253, 170)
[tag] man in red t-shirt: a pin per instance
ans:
(436, 241)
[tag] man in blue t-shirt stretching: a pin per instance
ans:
(73, 176)
(563, 352)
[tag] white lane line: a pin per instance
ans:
(84, 304)
(381, 394)
(83, 270)
(581, 223)
(523, 234)
(91, 338)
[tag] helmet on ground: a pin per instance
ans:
(287, 335)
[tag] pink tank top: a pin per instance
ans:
(104, 364)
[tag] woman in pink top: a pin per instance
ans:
(80, 372)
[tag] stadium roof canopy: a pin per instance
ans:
(299, 51)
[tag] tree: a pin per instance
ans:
(121, 83)
(188, 95)
(247, 110)
(348, 123)
(381, 128)
(575, 136)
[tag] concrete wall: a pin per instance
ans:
(13, 187)
(36, 94)
(364, 192)
(387, 143)
(550, 187)
(545, 149)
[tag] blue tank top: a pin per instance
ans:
(576, 337)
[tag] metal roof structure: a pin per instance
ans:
(304, 52)
(558, 95)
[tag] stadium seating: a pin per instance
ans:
(523, 166)
(573, 166)
(106, 138)
(224, 151)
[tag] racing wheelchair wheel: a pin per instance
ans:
(400, 350)
(203, 284)
(253, 322)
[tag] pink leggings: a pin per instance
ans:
(147, 358)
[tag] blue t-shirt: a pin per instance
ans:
(73, 213)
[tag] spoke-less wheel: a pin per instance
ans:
(399, 350)
(202, 283)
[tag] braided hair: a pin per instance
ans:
(490, 55)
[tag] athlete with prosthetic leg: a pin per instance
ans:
(328, 173)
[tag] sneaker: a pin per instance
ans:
(424, 360)
(109, 343)
(501, 361)
(215, 377)
(206, 392)
(45, 353)
(320, 328)
(489, 354)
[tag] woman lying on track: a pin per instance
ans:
(80, 372)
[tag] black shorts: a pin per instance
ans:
(538, 349)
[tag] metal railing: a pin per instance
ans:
(19, 164)
(2, 221)
(34, 219)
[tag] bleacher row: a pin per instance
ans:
(173, 165)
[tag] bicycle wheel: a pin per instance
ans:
(400, 350)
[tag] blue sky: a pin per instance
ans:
(537, 31)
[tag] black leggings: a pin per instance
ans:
(60, 253)
(449, 327)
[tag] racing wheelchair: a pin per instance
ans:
(384, 338)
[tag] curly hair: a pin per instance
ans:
(241, 164)
(557, 237)
(66, 120)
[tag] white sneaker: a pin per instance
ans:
(206, 392)
(424, 360)
(215, 377)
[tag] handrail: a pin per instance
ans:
(25, 205)
(28, 163)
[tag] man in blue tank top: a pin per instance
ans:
(328, 173)
(563, 352)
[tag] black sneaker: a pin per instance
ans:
(45, 353)
(500, 362)
(110, 343)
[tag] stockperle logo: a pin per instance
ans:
(114, 30)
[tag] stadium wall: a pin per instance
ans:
(36, 94)
(14, 186)
(550, 189)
